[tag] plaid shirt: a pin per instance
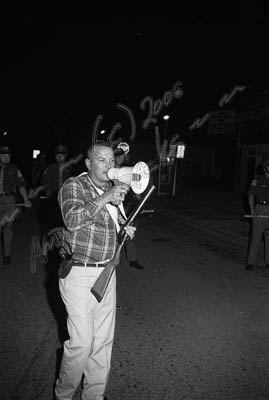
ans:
(91, 238)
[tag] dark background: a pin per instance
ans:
(62, 68)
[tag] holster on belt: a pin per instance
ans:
(65, 266)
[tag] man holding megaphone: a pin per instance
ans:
(92, 211)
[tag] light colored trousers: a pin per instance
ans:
(91, 327)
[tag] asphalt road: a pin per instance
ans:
(192, 325)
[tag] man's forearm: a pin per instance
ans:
(77, 214)
(23, 193)
(251, 203)
(95, 206)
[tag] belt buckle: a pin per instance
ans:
(86, 264)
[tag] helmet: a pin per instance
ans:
(124, 146)
(4, 150)
(61, 149)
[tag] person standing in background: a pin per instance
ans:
(258, 198)
(39, 166)
(54, 176)
(130, 202)
(11, 180)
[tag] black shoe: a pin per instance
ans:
(135, 264)
(249, 267)
(7, 260)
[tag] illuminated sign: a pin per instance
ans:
(180, 150)
(35, 153)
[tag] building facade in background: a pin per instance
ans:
(230, 148)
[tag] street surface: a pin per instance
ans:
(192, 325)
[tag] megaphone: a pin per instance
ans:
(137, 176)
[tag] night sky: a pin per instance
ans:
(59, 71)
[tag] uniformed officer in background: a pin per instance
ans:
(258, 199)
(55, 174)
(49, 214)
(11, 180)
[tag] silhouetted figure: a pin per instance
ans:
(11, 180)
(39, 166)
(131, 200)
(49, 214)
(258, 196)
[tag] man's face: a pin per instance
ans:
(4, 158)
(60, 157)
(101, 160)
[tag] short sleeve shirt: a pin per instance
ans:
(11, 178)
(259, 187)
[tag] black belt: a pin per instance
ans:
(263, 202)
(82, 264)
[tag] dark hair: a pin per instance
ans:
(61, 148)
(5, 149)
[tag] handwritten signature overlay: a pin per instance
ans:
(225, 99)
(9, 217)
(153, 108)
(53, 239)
